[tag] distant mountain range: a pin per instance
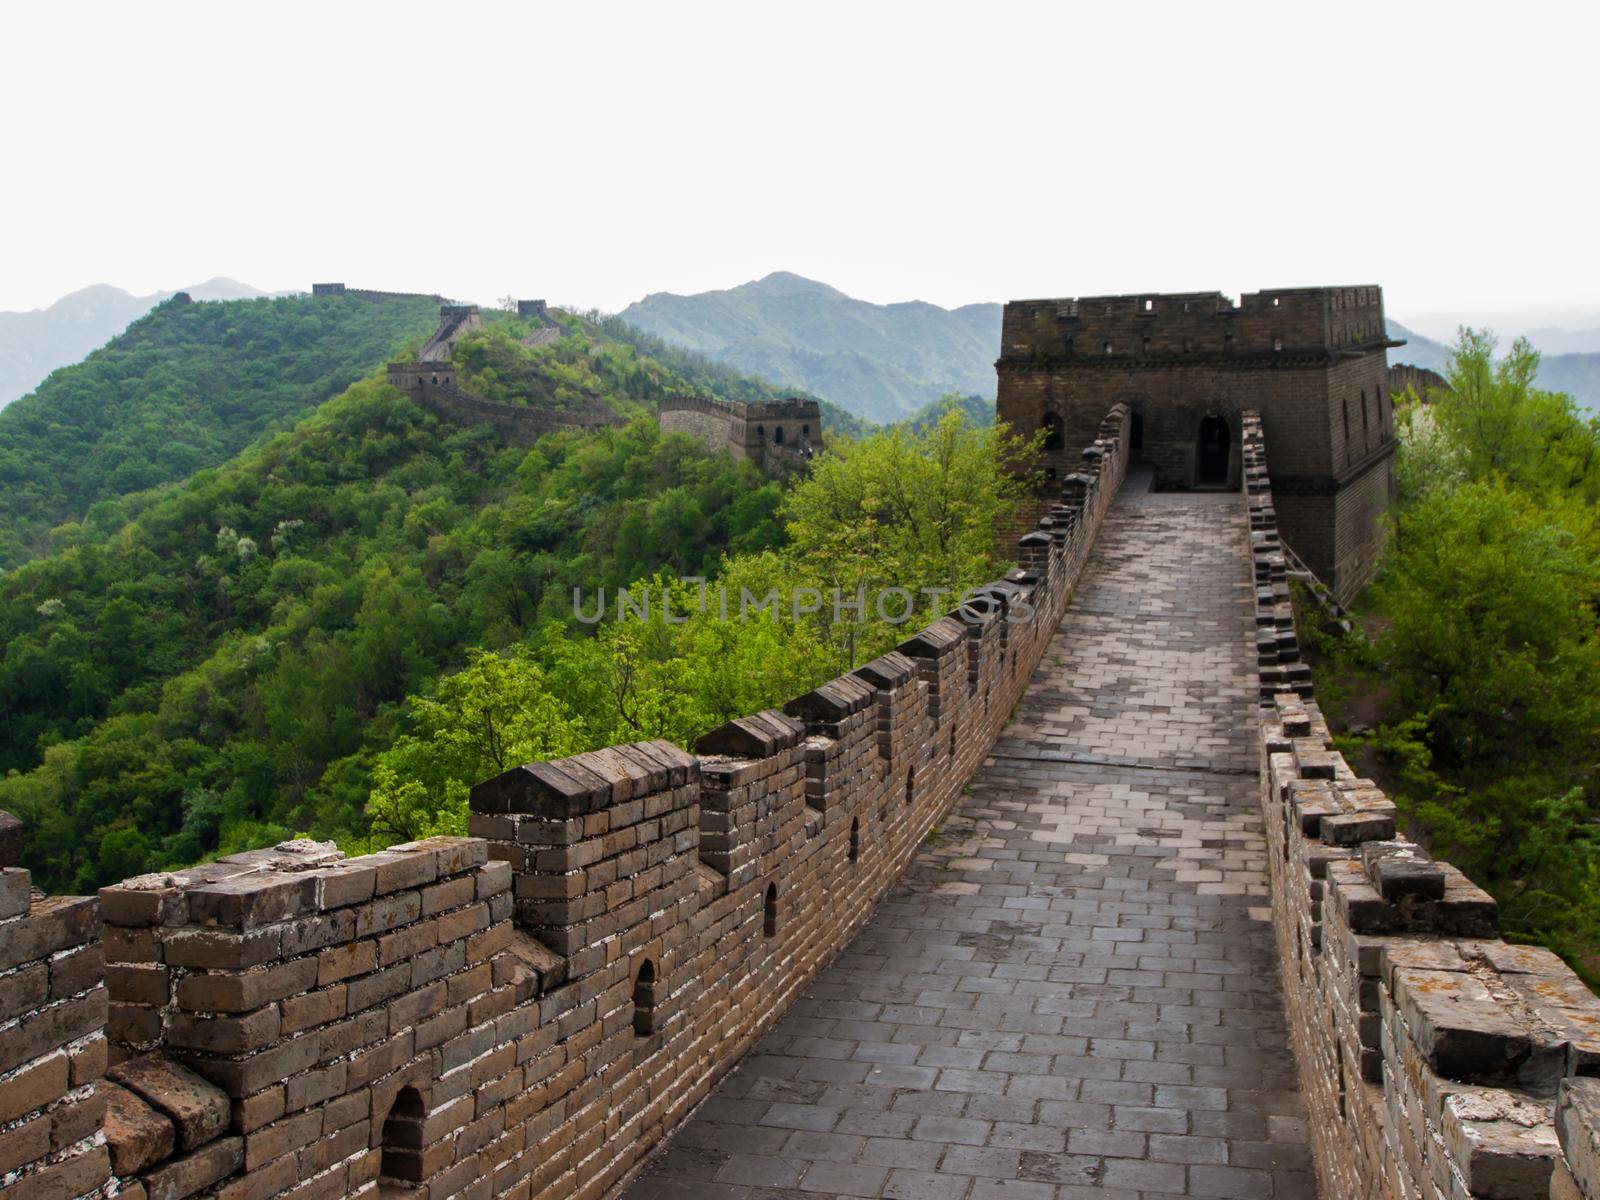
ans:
(887, 362)
(1576, 374)
(32, 344)
(880, 361)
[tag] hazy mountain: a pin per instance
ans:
(1419, 351)
(1566, 341)
(881, 361)
(1576, 374)
(32, 344)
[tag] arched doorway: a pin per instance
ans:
(1211, 456)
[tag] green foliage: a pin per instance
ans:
(680, 658)
(341, 629)
(977, 410)
(222, 670)
(902, 509)
(1487, 646)
(477, 723)
(184, 388)
(1500, 425)
(1489, 593)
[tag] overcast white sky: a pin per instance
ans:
(591, 153)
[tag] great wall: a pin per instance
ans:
(430, 379)
(1079, 905)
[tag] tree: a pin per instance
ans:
(902, 510)
(1498, 423)
(475, 724)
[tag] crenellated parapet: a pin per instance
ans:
(1435, 1059)
(526, 1012)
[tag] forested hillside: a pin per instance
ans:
(206, 664)
(880, 361)
(34, 343)
(233, 665)
(185, 387)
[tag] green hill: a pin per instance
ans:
(218, 671)
(32, 344)
(976, 410)
(880, 361)
(185, 387)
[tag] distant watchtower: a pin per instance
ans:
(1312, 361)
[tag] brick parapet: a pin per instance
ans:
(52, 1038)
(529, 1011)
(1436, 1060)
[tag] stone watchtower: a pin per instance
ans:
(1312, 361)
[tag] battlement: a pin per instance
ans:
(1283, 322)
(1434, 1058)
(339, 289)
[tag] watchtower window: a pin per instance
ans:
(761, 431)
(1274, 302)
(806, 430)
(1149, 306)
(1108, 347)
(1364, 424)
(1052, 431)
(855, 839)
(777, 435)
(1147, 345)
(644, 1000)
(769, 921)
(401, 1158)
(1277, 343)
(910, 787)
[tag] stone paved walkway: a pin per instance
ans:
(1072, 994)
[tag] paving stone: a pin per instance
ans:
(1073, 990)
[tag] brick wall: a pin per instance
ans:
(527, 1012)
(1436, 1060)
(52, 1039)
(714, 424)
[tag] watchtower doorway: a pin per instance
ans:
(1212, 452)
